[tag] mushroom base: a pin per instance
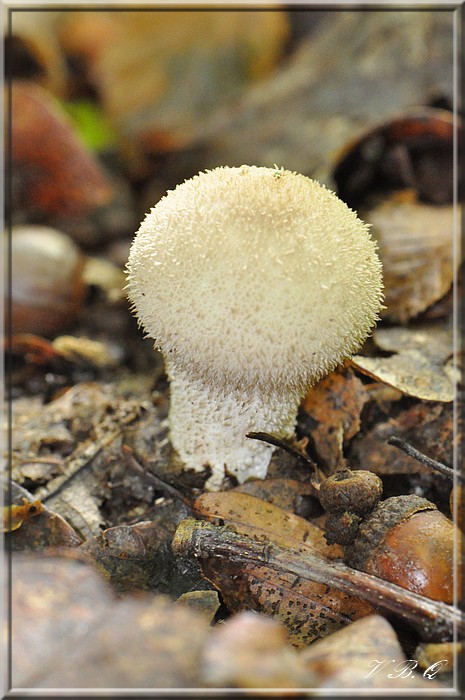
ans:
(208, 425)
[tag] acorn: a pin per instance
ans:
(47, 287)
(408, 541)
(403, 539)
(354, 491)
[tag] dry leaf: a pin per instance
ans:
(421, 363)
(298, 497)
(227, 557)
(85, 351)
(263, 521)
(39, 529)
(108, 277)
(308, 609)
(83, 428)
(139, 557)
(334, 406)
(416, 247)
(428, 427)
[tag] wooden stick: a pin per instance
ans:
(424, 459)
(433, 620)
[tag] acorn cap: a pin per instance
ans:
(374, 529)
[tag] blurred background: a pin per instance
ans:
(108, 109)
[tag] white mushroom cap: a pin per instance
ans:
(254, 279)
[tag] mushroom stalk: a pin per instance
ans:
(209, 422)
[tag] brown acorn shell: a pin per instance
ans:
(407, 541)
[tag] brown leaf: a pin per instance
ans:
(308, 609)
(298, 497)
(416, 247)
(411, 153)
(263, 521)
(38, 530)
(428, 427)
(139, 557)
(220, 548)
(421, 363)
(84, 351)
(335, 404)
(126, 554)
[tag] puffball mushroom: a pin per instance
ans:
(254, 282)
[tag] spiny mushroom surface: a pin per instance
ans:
(254, 282)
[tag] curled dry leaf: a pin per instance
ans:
(413, 151)
(362, 655)
(139, 557)
(32, 526)
(14, 516)
(107, 276)
(85, 351)
(416, 247)
(421, 363)
(64, 352)
(127, 555)
(334, 406)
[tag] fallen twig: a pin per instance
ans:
(433, 620)
(424, 459)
